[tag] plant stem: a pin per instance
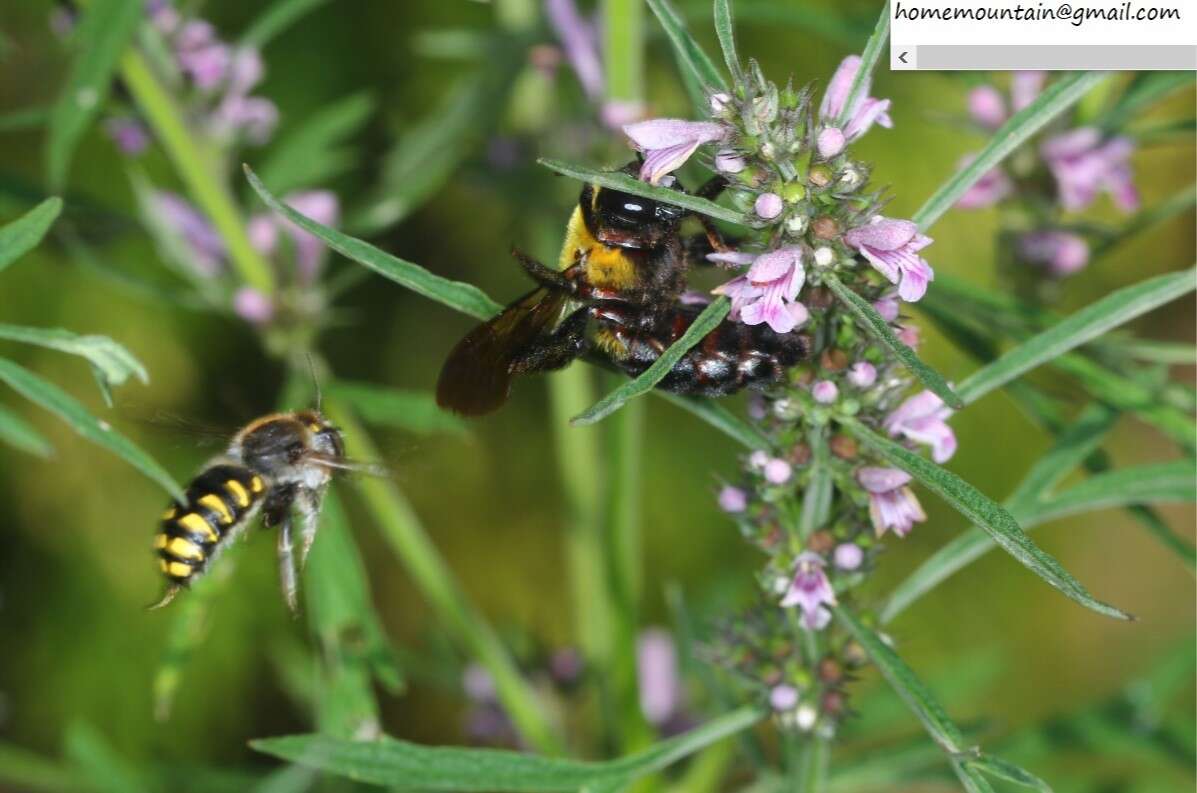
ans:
(197, 168)
(809, 772)
(623, 49)
(401, 528)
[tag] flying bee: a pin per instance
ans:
(617, 292)
(275, 465)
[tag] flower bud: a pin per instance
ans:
(825, 228)
(844, 447)
(733, 499)
(830, 143)
(821, 542)
(768, 206)
(824, 256)
(820, 176)
(728, 161)
(825, 392)
(848, 556)
(721, 104)
(833, 360)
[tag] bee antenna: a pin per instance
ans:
(315, 381)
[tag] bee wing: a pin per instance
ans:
(476, 378)
(343, 464)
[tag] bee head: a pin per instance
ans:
(624, 220)
(326, 438)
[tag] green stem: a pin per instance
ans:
(809, 773)
(197, 168)
(623, 49)
(401, 528)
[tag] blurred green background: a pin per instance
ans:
(75, 571)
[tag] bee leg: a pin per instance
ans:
(167, 596)
(309, 520)
(712, 188)
(286, 566)
(544, 275)
(562, 347)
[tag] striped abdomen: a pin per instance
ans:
(731, 357)
(219, 501)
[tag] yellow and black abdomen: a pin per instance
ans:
(220, 500)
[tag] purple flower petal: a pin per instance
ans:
(987, 107)
(839, 87)
(881, 480)
(578, 39)
(831, 142)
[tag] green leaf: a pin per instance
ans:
(96, 760)
(427, 153)
(1002, 769)
(1154, 483)
(720, 418)
(1078, 328)
(725, 29)
(985, 513)
(881, 330)
(463, 297)
(1160, 530)
(904, 682)
(57, 401)
(279, 16)
(312, 154)
(25, 118)
(113, 363)
(1055, 99)
(828, 22)
(630, 184)
(1146, 88)
(1180, 202)
(105, 31)
(26, 770)
(405, 409)
(17, 433)
(352, 642)
(710, 317)
(22, 235)
(691, 59)
(868, 61)
(391, 762)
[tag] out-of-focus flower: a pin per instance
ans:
(1061, 252)
(768, 205)
(861, 114)
(205, 248)
(888, 308)
(862, 374)
(579, 39)
(1084, 164)
(1024, 87)
(657, 673)
(910, 335)
(477, 683)
(809, 588)
(668, 142)
(806, 717)
(825, 392)
(732, 499)
(201, 55)
(987, 107)
(129, 135)
(253, 306)
(783, 697)
(848, 556)
(777, 471)
(817, 620)
(321, 206)
(993, 186)
(892, 505)
(892, 247)
(768, 292)
(923, 419)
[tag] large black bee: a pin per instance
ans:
(272, 465)
(616, 291)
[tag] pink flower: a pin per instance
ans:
(777, 471)
(892, 247)
(993, 186)
(910, 335)
(783, 697)
(809, 588)
(732, 499)
(830, 142)
(203, 246)
(321, 206)
(1024, 87)
(923, 419)
(579, 39)
(987, 107)
(768, 292)
(768, 205)
(252, 306)
(862, 374)
(824, 392)
(892, 505)
(656, 671)
(728, 161)
(667, 143)
(817, 620)
(848, 556)
(860, 115)
(1084, 164)
(1061, 252)
(888, 308)
(129, 135)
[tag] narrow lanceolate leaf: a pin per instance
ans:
(985, 513)
(113, 363)
(1147, 87)
(17, 433)
(279, 16)
(630, 184)
(881, 330)
(1058, 97)
(711, 316)
(1001, 769)
(868, 60)
(96, 760)
(1083, 326)
(725, 29)
(405, 409)
(103, 35)
(1157, 483)
(23, 234)
(720, 418)
(57, 401)
(395, 763)
(463, 297)
(691, 58)
(314, 152)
